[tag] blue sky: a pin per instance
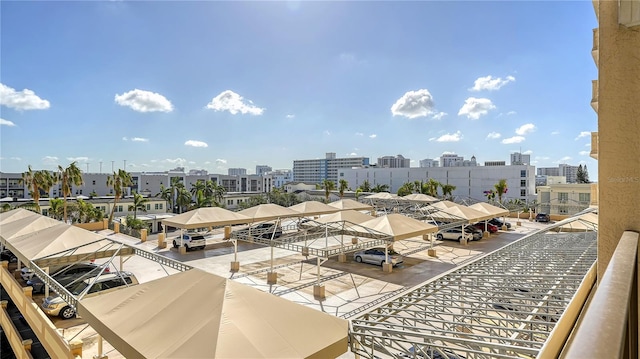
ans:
(214, 85)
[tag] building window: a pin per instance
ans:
(563, 197)
(563, 210)
(94, 182)
(148, 207)
(119, 208)
(230, 202)
(523, 193)
(523, 173)
(584, 197)
(45, 212)
(523, 183)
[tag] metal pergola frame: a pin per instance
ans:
(502, 305)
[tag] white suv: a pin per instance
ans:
(190, 241)
(454, 234)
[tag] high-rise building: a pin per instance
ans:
(394, 162)
(237, 171)
(517, 158)
(428, 162)
(451, 160)
(317, 170)
(262, 169)
(563, 169)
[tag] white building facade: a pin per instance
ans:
(317, 170)
(470, 182)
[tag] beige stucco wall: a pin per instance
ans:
(618, 130)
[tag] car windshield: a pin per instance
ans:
(78, 288)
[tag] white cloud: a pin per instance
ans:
(490, 83)
(139, 139)
(527, 152)
(448, 137)
(144, 101)
(177, 160)
(439, 116)
(234, 103)
(373, 135)
(526, 128)
(221, 161)
(565, 158)
(326, 133)
(291, 116)
(350, 59)
(413, 104)
(21, 100)
(514, 139)
(474, 108)
(583, 134)
(352, 154)
(511, 113)
(493, 135)
(542, 158)
(194, 143)
(555, 133)
(587, 144)
(448, 153)
(50, 160)
(584, 153)
(78, 159)
(16, 158)
(4, 122)
(359, 134)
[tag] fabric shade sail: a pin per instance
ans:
(206, 217)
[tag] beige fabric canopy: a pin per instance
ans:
(269, 211)
(419, 197)
(221, 319)
(25, 225)
(585, 222)
(15, 214)
(206, 217)
(382, 195)
(350, 204)
(399, 226)
(453, 211)
(490, 209)
(348, 215)
(312, 208)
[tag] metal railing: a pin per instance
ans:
(608, 327)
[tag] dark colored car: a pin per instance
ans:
(68, 275)
(262, 230)
(489, 227)
(543, 217)
(499, 223)
(6, 255)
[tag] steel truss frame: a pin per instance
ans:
(503, 305)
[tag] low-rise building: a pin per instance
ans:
(564, 198)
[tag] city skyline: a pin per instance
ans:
(217, 85)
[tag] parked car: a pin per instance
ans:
(454, 234)
(56, 306)
(377, 256)
(489, 227)
(543, 217)
(68, 275)
(190, 241)
(475, 232)
(27, 274)
(262, 230)
(498, 222)
(6, 255)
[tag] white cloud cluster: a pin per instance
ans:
(194, 143)
(78, 159)
(526, 128)
(527, 152)
(4, 122)
(176, 160)
(50, 160)
(144, 101)
(234, 103)
(448, 137)
(583, 134)
(359, 134)
(514, 139)
(373, 135)
(439, 116)
(490, 83)
(585, 153)
(290, 116)
(413, 104)
(493, 135)
(474, 108)
(21, 100)
(135, 139)
(221, 161)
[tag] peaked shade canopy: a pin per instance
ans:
(419, 197)
(489, 209)
(269, 211)
(222, 319)
(350, 204)
(382, 195)
(206, 217)
(25, 225)
(450, 210)
(399, 226)
(348, 215)
(312, 208)
(15, 214)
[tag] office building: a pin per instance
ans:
(517, 158)
(262, 169)
(428, 162)
(317, 170)
(394, 162)
(237, 171)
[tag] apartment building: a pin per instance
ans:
(394, 162)
(429, 162)
(563, 198)
(317, 170)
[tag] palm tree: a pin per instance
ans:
(216, 191)
(119, 181)
(405, 189)
(358, 192)
(37, 181)
(342, 186)
(328, 186)
(501, 188)
(199, 186)
(365, 186)
(447, 190)
(68, 177)
(417, 186)
(139, 203)
(432, 187)
(46, 180)
(183, 199)
(56, 208)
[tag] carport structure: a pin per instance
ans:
(502, 305)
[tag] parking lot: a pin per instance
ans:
(348, 285)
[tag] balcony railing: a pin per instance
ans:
(608, 325)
